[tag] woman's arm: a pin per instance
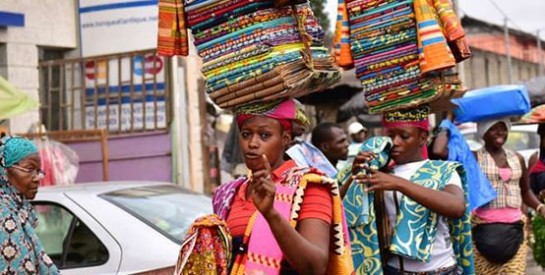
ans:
(440, 145)
(449, 202)
(526, 193)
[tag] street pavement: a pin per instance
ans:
(531, 266)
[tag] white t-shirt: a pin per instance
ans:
(442, 254)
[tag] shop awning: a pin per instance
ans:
(14, 102)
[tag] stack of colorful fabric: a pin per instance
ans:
(253, 51)
(400, 49)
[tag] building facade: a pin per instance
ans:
(488, 65)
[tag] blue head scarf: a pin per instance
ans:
(21, 252)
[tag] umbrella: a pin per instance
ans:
(14, 102)
(536, 115)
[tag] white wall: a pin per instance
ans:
(48, 23)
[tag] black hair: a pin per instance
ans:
(322, 133)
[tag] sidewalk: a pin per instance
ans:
(531, 266)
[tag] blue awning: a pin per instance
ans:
(11, 19)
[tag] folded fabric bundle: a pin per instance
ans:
(253, 51)
(402, 49)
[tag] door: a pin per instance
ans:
(75, 241)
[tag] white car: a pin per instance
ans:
(521, 138)
(116, 227)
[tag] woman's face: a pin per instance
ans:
(26, 182)
(262, 135)
(408, 142)
(496, 136)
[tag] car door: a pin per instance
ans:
(74, 240)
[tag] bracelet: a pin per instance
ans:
(541, 205)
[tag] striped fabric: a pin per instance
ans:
(270, 51)
(172, 32)
(400, 51)
(341, 41)
(508, 191)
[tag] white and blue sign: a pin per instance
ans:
(116, 26)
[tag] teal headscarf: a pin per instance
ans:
(21, 252)
(13, 150)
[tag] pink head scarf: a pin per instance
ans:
(286, 111)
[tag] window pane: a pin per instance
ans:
(63, 233)
(53, 226)
(167, 209)
(84, 248)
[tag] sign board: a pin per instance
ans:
(124, 101)
(116, 26)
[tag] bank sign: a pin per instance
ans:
(112, 27)
(116, 26)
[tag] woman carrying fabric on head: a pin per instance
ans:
(275, 228)
(498, 230)
(417, 221)
(20, 175)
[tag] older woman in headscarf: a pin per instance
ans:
(416, 221)
(21, 251)
(498, 230)
(275, 228)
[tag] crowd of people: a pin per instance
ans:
(413, 200)
(389, 207)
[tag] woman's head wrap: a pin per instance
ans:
(416, 117)
(485, 125)
(13, 150)
(285, 111)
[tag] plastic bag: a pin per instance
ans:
(59, 162)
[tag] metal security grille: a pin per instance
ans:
(121, 93)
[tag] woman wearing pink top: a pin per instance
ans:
(498, 231)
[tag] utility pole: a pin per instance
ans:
(539, 54)
(508, 50)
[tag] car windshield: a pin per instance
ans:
(168, 209)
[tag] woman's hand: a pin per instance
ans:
(377, 180)
(361, 159)
(263, 190)
(542, 212)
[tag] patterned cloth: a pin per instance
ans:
(21, 251)
(508, 192)
(400, 49)
(356, 200)
(242, 41)
(416, 226)
(432, 44)
(341, 41)
(294, 182)
(172, 32)
(207, 246)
